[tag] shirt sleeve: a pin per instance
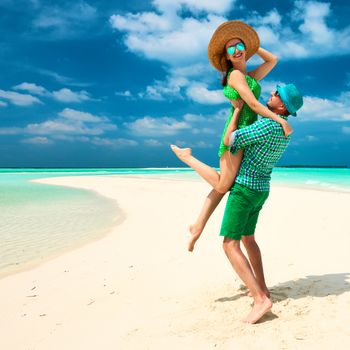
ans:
(258, 132)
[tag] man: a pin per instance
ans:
(263, 143)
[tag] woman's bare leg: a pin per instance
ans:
(229, 165)
(208, 173)
(210, 203)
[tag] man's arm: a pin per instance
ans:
(258, 132)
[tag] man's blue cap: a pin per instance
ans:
(291, 97)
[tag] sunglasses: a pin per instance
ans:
(276, 93)
(232, 49)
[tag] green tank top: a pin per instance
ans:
(247, 116)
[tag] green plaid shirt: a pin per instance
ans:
(263, 143)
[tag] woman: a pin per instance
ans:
(231, 45)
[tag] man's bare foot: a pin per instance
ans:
(195, 233)
(266, 291)
(182, 153)
(258, 311)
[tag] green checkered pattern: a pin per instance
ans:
(263, 143)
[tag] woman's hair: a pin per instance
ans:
(225, 74)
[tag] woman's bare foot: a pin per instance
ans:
(195, 233)
(258, 311)
(182, 153)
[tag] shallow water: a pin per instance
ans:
(38, 220)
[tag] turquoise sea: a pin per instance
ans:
(38, 221)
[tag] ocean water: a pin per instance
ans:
(38, 221)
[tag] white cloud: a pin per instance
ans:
(272, 18)
(80, 116)
(58, 77)
(200, 93)
(32, 88)
(201, 131)
(179, 85)
(126, 93)
(63, 95)
(67, 95)
(169, 88)
(178, 41)
(67, 127)
(316, 108)
(114, 142)
(193, 70)
(314, 25)
(202, 144)
(152, 143)
(71, 138)
(163, 126)
(198, 144)
(71, 122)
(65, 21)
(145, 22)
(195, 6)
(19, 99)
(189, 117)
(3, 104)
(289, 43)
(191, 125)
(37, 140)
(168, 37)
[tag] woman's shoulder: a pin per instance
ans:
(235, 75)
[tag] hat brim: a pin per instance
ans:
(225, 32)
(285, 100)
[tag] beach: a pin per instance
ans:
(139, 288)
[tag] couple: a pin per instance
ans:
(248, 151)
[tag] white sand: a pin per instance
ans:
(138, 287)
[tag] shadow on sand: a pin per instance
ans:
(314, 286)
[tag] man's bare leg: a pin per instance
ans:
(241, 265)
(211, 202)
(255, 260)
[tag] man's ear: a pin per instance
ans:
(281, 109)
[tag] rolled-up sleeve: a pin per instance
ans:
(256, 133)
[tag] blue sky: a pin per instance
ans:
(112, 84)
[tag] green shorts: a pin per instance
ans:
(242, 211)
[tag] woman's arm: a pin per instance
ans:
(238, 82)
(232, 126)
(270, 61)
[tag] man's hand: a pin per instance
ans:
(287, 129)
(238, 104)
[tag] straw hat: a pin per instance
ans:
(225, 32)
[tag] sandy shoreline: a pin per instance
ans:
(138, 287)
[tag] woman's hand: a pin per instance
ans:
(287, 129)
